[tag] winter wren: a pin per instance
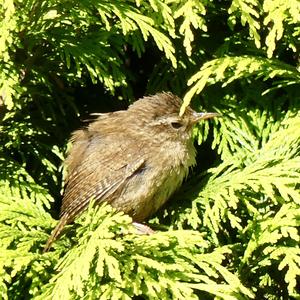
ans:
(133, 159)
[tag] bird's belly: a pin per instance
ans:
(141, 198)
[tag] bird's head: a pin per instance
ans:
(159, 115)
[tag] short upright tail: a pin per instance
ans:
(56, 232)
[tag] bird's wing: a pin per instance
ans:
(99, 176)
(99, 170)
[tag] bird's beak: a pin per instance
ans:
(204, 116)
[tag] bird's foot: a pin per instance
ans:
(142, 228)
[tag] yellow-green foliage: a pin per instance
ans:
(232, 232)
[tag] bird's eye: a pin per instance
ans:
(176, 125)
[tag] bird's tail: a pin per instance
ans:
(56, 232)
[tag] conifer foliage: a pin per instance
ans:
(232, 232)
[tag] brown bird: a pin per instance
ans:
(133, 159)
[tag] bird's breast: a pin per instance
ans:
(152, 185)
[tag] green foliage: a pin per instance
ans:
(122, 264)
(276, 16)
(233, 230)
(228, 69)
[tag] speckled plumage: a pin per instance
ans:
(133, 159)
